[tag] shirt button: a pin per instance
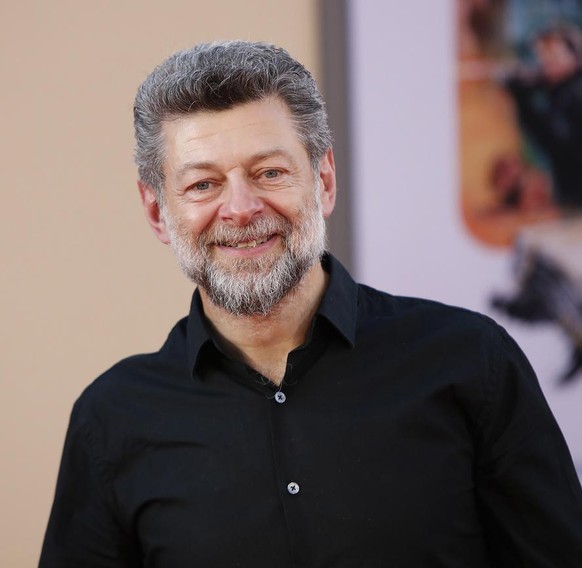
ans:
(293, 488)
(280, 397)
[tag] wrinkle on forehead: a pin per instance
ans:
(252, 159)
(220, 122)
(206, 140)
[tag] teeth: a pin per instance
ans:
(250, 244)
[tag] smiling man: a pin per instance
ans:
(295, 417)
(243, 211)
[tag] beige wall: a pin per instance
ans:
(84, 283)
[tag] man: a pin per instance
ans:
(549, 103)
(296, 418)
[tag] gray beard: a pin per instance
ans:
(248, 286)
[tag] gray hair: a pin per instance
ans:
(218, 76)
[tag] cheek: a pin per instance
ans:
(194, 220)
(291, 204)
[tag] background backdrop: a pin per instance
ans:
(84, 282)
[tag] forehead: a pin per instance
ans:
(250, 128)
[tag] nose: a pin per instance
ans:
(241, 203)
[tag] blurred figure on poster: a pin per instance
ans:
(501, 188)
(548, 284)
(548, 256)
(548, 97)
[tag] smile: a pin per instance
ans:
(249, 244)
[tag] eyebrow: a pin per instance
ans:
(209, 165)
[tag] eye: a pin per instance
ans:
(271, 174)
(203, 189)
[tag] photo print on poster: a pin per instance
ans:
(520, 105)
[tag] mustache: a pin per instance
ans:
(258, 229)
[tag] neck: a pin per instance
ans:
(264, 341)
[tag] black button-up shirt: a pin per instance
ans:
(406, 434)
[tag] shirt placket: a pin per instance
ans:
(286, 409)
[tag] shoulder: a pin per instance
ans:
(134, 378)
(454, 347)
(467, 346)
(422, 314)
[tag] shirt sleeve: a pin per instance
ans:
(82, 529)
(526, 484)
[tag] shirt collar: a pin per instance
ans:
(197, 334)
(338, 306)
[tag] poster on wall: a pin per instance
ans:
(466, 129)
(520, 105)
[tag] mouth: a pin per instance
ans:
(249, 244)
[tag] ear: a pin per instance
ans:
(327, 182)
(153, 212)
